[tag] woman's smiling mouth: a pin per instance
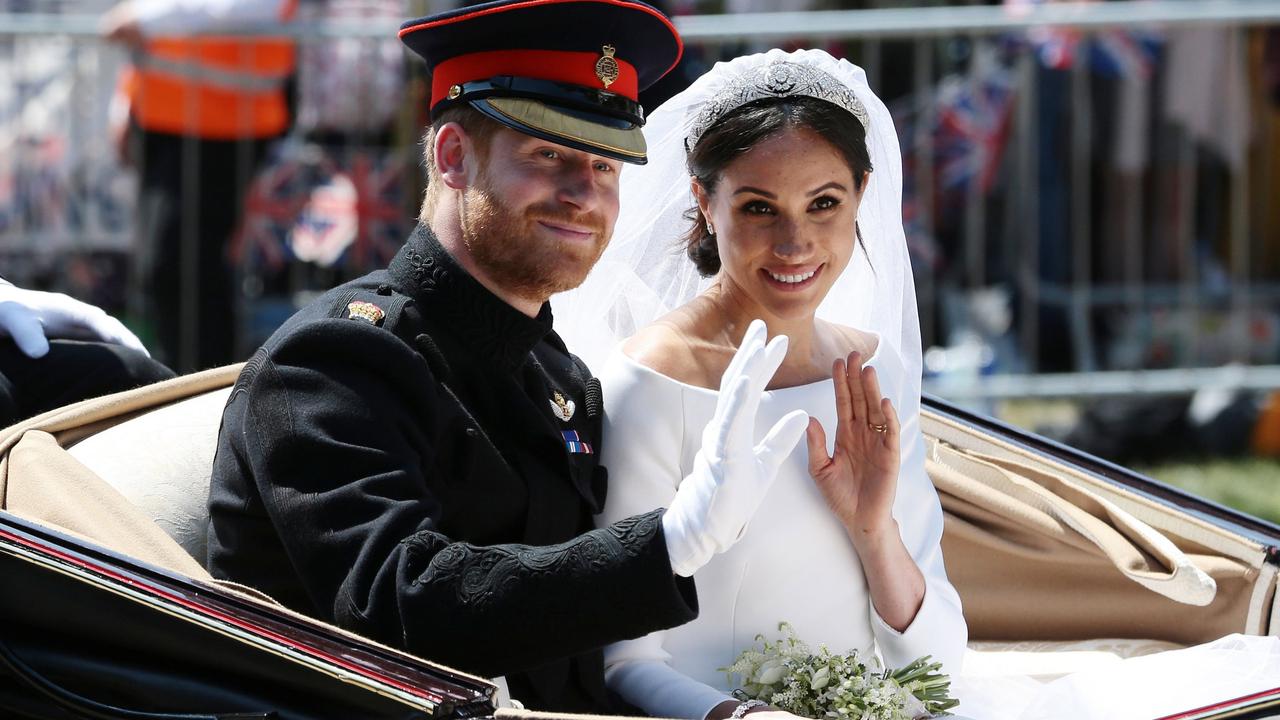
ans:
(791, 279)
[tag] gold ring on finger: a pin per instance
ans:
(882, 427)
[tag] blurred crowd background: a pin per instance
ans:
(1091, 196)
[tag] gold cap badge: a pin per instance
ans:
(367, 311)
(454, 91)
(561, 406)
(606, 66)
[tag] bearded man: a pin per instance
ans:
(413, 456)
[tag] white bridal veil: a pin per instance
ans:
(644, 273)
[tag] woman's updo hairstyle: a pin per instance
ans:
(745, 127)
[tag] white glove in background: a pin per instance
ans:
(730, 477)
(31, 317)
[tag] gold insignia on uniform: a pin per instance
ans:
(367, 311)
(454, 91)
(606, 67)
(562, 406)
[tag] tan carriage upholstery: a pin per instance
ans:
(128, 471)
(1043, 551)
(166, 472)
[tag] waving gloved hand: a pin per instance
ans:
(30, 317)
(730, 476)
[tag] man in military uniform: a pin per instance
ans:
(414, 455)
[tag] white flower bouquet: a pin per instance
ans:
(823, 684)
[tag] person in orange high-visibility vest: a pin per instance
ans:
(194, 111)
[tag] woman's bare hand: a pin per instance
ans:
(860, 479)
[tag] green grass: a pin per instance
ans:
(1248, 484)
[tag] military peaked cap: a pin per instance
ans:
(568, 71)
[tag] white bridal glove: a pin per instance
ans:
(30, 317)
(730, 477)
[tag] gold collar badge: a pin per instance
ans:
(561, 406)
(367, 311)
(606, 67)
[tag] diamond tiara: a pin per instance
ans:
(780, 79)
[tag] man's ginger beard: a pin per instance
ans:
(514, 253)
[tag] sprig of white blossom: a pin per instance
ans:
(789, 676)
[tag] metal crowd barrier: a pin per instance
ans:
(1073, 235)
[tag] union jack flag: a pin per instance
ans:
(972, 127)
(314, 205)
(271, 205)
(382, 222)
(967, 121)
(968, 130)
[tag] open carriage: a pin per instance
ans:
(1063, 562)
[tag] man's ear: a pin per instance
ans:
(450, 150)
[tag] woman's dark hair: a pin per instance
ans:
(747, 126)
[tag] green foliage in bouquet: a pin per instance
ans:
(823, 684)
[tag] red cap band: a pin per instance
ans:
(577, 68)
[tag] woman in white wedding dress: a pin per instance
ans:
(780, 183)
(784, 220)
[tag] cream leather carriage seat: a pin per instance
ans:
(161, 462)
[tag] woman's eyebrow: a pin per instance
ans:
(756, 190)
(833, 185)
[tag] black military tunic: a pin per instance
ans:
(415, 460)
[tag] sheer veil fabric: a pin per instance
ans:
(644, 273)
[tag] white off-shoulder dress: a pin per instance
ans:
(794, 563)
